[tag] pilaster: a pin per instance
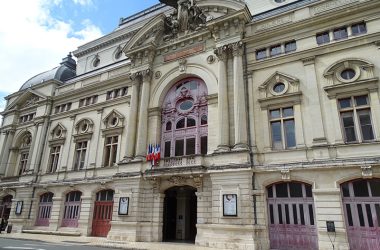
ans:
(223, 116)
(7, 146)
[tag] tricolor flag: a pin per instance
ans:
(153, 153)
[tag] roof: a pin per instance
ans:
(65, 71)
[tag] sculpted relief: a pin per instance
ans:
(186, 17)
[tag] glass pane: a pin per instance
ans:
(270, 192)
(287, 214)
(275, 50)
(349, 215)
(275, 113)
(345, 190)
(279, 87)
(190, 122)
(295, 189)
(365, 124)
(340, 33)
(377, 208)
(260, 54)
(302, 214)
(361, 216)
(290, 136)
(360, 188)
(204, 120)
(375, 187)
(309, 192)
(295, 214)
(186, 105)
(204, 145)
(179, 147)
(167, 149)
(276, 135)
(190, 146)
(282, 190)
(361, 100)
(348, 124)
(286, 112)
(345, 103)
(311, 214)
(279, 214)
(359, 28)
(290, 46)
(168, 126)
(180, 124)
(369, 214)
(271, 214)
(348, 74)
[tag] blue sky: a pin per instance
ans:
(35, 37)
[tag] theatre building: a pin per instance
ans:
(265, 113)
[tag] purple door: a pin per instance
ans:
(361, 202)
(72, 209)
(44, 209)
(291, 216)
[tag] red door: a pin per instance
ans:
(291, 217)
(361, 202)
(102, 217)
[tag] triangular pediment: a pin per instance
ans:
(27, 99)
(276, 78)
(147, 36)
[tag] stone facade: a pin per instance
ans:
(292, 102)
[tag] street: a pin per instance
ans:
(42, 245)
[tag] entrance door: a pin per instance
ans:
(72, 209)
(102, 217)
(361, 201)
(5, 211)
(291, 216)
(180, 214)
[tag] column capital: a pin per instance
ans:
(221, 52)
(146, 75)
(237, 48)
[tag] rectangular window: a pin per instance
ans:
(282, 128)
(275, 50)
(261, 54)
(80, 155)
(167, 149)
(359, 28)
(54, 158)
(323, 38)
(110, 150)
(355, 115)
(23, 161)
(179, 147)
(290, 46)
(190, 146)
(204, 145)
(340, 33)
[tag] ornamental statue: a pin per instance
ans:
(186, 17)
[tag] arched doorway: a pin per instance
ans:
(72, 209)
(180, 214)
(44, 209)
(102, 216)
(291, 216)
(5, 211)
(361, 203)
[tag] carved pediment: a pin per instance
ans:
(27, 99)
(114, 119)
(350, 75)
(279, 88)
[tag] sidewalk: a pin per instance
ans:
(103, 242)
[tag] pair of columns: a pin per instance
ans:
(136, 146)
(239, 100)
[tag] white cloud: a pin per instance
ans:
(33, 41)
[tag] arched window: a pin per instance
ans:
(185, 105)
(44, 209)
(25, 144)
(72, 209)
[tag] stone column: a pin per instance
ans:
(142, 131)
(223, 117)
(7, 146)
(240, 115)
(38, 145)
(132, 118)
(314, 109)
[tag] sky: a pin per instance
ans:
(36, 34)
